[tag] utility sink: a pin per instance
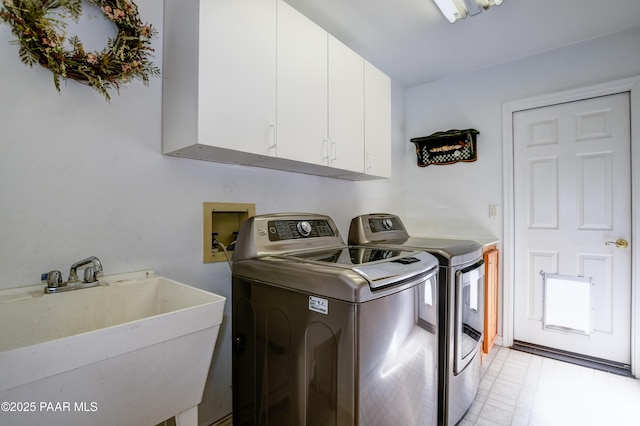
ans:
(135, 350)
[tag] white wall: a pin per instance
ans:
(453, 200)
(80, 177)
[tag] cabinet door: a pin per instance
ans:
(346, 107)
(491, 299)
(237, 75)
(301, 88)
(377, 118)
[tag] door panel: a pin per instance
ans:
(469, 314)
(237, 77)
(301, 92)
(346, 107)
(572, 194)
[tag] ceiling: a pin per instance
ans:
(413, 42)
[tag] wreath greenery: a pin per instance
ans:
(39, 27)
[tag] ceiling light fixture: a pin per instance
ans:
(459, 9)
(452, 9)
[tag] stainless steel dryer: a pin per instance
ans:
(460, 306)
(327, 334)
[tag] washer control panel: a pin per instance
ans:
(280, 230)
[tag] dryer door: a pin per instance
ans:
(469, 314)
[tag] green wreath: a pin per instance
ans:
(39, 26)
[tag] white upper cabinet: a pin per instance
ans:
(255, 82)
(346, 107)
(219, 79)
(377, 122)
(301, 88)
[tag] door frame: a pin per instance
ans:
(631, 85)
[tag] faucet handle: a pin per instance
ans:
(90, 275)
(54, 279)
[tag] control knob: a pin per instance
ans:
(387, 224)
(304, 228)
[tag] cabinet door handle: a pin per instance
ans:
(334, 151)
(273, 142)
(325, 151)
(369, 161)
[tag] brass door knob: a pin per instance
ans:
(619, 243)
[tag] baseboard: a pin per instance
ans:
(225, 421)
(573, 358)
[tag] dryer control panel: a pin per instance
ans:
(377, 227)
(388, 223)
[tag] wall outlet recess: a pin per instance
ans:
(221, 222)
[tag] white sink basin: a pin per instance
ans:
(135, 350)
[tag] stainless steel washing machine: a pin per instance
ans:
(330, 334)
(460, 306)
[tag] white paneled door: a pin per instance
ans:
(572, 201)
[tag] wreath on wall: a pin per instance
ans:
(39, 26)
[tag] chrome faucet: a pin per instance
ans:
(54, 280)
(97, 268)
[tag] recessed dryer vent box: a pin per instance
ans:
(221, 223)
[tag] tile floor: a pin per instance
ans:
(521, 389)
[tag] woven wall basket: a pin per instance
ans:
(447, 147)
